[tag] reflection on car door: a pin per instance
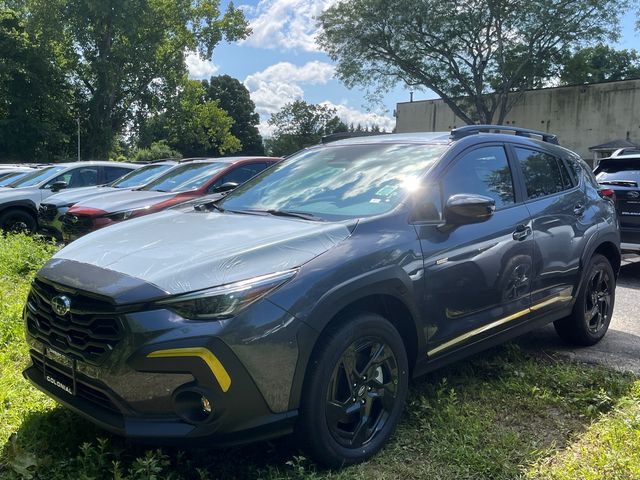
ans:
(477, 276)
(561, 226)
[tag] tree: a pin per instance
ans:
(233, 97)
(36, 123)
(300, 124)
(599, 64)
(155, 151)
(127, 55)
(191, 124)
(472, 54)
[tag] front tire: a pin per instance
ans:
(354, 392)
(591, 315)
(17, 221)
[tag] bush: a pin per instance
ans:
(156, 151)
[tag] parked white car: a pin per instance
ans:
(19, 200)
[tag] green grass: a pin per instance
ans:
(505, 414)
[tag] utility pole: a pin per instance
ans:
(78, 138)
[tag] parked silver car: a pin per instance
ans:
(19, 201)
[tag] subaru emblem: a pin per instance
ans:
(61, 305)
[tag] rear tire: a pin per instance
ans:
(354, 391)
(18, 221)
(591, 315)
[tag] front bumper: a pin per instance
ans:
(148, 384)
(50, 223)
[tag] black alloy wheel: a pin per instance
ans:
(593, 308)
(598, 300)
(362, 392)
(354, 391)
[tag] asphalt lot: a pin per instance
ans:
(620, 348)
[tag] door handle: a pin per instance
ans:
(522, 232)
(578, 209)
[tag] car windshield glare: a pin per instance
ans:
(186, 177)
(36, 177)
(11, 177)
(338, 182)
(140, 176)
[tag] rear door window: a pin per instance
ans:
(113, 173)
(544, 174)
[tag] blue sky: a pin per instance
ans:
(280, 63)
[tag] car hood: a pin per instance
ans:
(78, 194)
(127, 200)
(183, 252)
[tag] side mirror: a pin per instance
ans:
(465, 208)
(225, 187)
(59, 185)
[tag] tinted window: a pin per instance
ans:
(484, 171)
(36, 177)
(340, 181)
(188, 176)
(243, 173)
(141, 176)
(76, 178)
(543, 174)
(612, 171)
(113, 173)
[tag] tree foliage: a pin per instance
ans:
(599, 64)
(473, 54)
(125, 56)
(300, 124)
(155, 151)
(233, 97)
(191, 124)
(36, 122)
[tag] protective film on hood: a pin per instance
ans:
(183, 252)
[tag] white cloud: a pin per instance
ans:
(198, 67)
(365, 119)
(286, 24)
(280, 84)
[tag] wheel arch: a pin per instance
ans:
(388, 297)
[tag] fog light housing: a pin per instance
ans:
(193, 406)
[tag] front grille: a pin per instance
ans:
(89, 332)
(76, 225)
(83, 389)
(47, 212)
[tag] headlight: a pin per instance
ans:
(226, 301)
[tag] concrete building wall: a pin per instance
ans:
(582, 116)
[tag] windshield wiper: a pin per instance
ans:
(291, 213)
(622, 183)
(211, 204)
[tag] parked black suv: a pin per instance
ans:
(307, 298)
(619, 176)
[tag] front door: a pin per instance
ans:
(477, 276)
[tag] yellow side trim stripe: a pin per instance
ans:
(497, 323)
(216, 367)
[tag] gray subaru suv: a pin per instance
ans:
(305, 300)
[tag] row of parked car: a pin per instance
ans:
(69, 200)
(306, 298)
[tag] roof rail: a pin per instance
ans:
(458, 133)
(157, 160)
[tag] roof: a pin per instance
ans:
(422, 137)
(229, 159)
(613, 145)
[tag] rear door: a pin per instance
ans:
(623, 177)
(558, 208)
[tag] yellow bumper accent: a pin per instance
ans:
(218, 370)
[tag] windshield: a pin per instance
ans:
(337, 182)
(189, 176)
(36, 177)
(141, 176)
(6, 179)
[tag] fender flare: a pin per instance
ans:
(391, 281)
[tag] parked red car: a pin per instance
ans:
(181, 183)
